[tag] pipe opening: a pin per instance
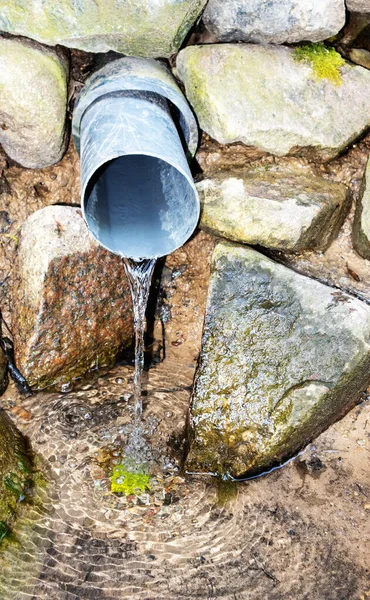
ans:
(140, 206)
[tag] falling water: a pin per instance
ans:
(139, 275)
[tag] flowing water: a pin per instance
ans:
(297, 533)
(139, 275)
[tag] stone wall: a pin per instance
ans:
(281, 92)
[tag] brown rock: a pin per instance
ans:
(3, 371)
(73, 308)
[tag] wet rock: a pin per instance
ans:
(33, 101)
(283, 356)
(360, 6)
(72, 303)
(360, 57)
(275, 22)
(263, 97)
(133, 27)
(361, 224)
(15, 471)
(3, 371)
(276, 209)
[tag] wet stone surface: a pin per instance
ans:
(15, 472)
(73, 310)
(282, 358)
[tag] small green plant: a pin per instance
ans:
(325, 62)
(127, 482)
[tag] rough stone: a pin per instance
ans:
(133, 27)
(360, 57)
(273, 208)
(361, 224)
(361, 6)
(275, 22)
(263, 97)
(15, 471)
(3, 371)
(72, 308)
(283, 356)
(33, 102)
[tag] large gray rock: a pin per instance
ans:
(361, 6)
(276, 209)
(149, 28)
(275, 22)
(72, 304)
(283, 356)
(33, 102)
(361, 224)
(263, 97)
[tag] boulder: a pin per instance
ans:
(33, 102)
(148, 28)
(273, 208)
(265, 97)
(361, 224)
(274, 22)
(15, 471)
(72, 304)
(283, 356)
(360, 6)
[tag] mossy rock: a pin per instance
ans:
(33, 101)
(15, 471)
(264, 97)
(132, 27)
(283, 357)
(361, 224)
(72, 303)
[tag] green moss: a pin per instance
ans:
(227, 490)
(127, 482)
(325, 62)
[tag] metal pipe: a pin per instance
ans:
(135, 131)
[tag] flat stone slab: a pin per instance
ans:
(276, 21)
(33, 101)
(276, 209)
(148, 28)
(283, 357)
(72, 304)
(263, 97)
(361, 224)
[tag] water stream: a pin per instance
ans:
(137, 457)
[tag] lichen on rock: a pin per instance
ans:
(283, 356)
(361, 224)
(72, 309)
(276, 208)
(274, 22)
(261, 96)
(15, 471)
(33, 101)
(132, 27)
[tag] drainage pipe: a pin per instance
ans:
(135, 132)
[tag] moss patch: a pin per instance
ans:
(127, 482)
(325, 62)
